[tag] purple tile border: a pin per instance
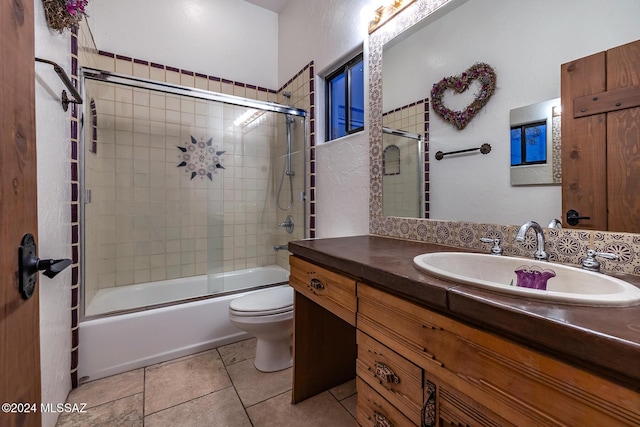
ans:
(193, 73)
(75, 224)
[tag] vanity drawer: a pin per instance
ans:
(334, 292)
(374, 411)
(391, 375)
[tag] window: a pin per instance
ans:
(345, 99)
(529, 144)
(391, 160)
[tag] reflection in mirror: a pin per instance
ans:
(525, 43)
(535, 143)
(403, 167)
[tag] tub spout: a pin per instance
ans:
(277, 248)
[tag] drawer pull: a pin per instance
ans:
(386, 374)
(380, 420)
(316, 284)
(429, 407)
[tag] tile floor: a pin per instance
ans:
(219, 387)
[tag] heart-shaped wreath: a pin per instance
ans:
(481, 72)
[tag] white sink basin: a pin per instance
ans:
(564, 284)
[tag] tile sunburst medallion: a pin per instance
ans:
(200, 158)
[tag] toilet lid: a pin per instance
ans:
(268, 301)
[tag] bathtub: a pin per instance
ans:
(119, 343)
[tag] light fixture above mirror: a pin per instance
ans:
(385, 12)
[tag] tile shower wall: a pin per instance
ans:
(237, 243)
(151, 219)
(302, 90)
(399, 191)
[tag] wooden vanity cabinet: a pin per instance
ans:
(324, 333)
(417, 367)
(482, 379)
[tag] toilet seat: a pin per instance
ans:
(263, 303)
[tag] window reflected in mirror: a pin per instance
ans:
(529, 144)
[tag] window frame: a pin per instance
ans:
(343, 69)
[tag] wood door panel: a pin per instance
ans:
(600, 152)
(623, 143)
(584, 156)
(19, 319)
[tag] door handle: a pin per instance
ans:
(30, 264)
(573, 217)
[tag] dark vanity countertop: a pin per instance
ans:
(605, 340)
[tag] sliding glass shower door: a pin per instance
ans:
(179, 190)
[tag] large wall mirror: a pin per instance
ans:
(525, 42)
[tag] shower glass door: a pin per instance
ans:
(261, 204)
(179, 192)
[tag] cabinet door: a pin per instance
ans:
(601, 139)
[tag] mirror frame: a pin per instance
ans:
(407, 18)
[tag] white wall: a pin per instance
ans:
(232, 39)
(537, 37)
(328, 32)
(54, 207)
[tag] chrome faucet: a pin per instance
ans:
(555, 223)
(277, 248)
(540, 254)
(590, 263)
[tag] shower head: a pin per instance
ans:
(286, 94)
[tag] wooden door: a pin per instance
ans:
(19, 318)
(601, 139)
(623, 139)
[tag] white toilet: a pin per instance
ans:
(267, 315)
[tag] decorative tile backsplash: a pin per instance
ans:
(563, 245)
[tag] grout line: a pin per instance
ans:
(144, 394)
(268, 398)
(244, 408)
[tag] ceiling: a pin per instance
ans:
(272, 5)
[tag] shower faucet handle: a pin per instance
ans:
(287, 224)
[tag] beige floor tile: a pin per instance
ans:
(318, 411)
(254, 386)
(222, 408)
(169, 384)
(350, 404)
(239, 351)
(105, 390)
(345, 390)
(126, 412)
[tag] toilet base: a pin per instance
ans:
(273, 355)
